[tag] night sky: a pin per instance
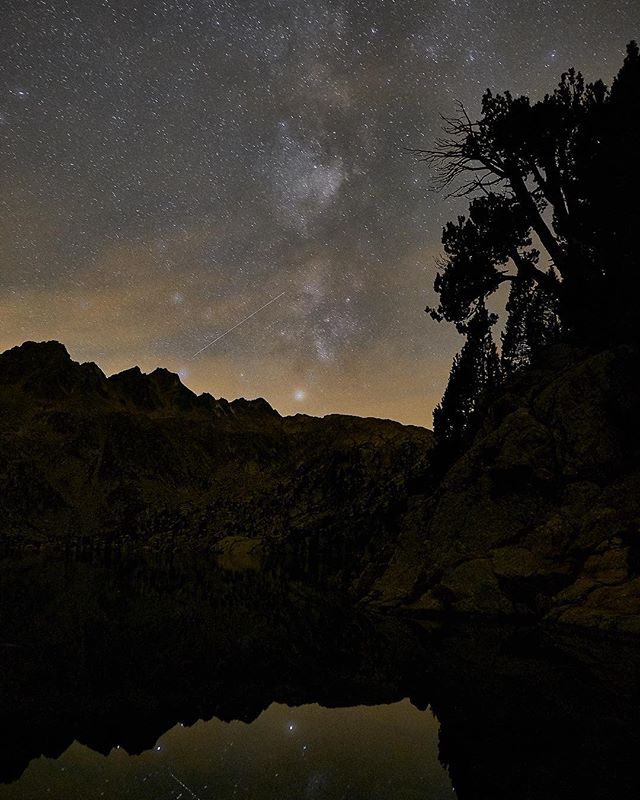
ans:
(170, 167)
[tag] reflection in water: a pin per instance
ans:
(103, 663)
(308, 751)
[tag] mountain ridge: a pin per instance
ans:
(140, 457)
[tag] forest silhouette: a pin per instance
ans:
(553, 190)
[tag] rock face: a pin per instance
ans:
(541, 517)
(141, 458)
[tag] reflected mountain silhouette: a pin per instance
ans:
(114, 653)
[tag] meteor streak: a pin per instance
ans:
(237, 325)
(184, 785)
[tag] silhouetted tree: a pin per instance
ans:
(475, 374)
(554, 204)
(562, 173)
(533, 321)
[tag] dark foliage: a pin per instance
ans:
(475, 375)
(554, 202)
(533, 321)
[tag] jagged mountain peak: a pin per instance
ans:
(140, 458)
(47, 370)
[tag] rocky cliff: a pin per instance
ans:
(140, 458)
(541, 517)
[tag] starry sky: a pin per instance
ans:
(173, 170)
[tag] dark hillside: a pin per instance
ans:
(141, 459)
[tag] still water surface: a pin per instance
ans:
(308, 751)
(149, 677)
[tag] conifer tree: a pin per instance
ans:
(475, 375)
(562, 172)
(533, 321)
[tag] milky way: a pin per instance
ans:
(170, 166)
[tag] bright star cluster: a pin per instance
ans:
(170, 166)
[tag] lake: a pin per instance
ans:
(150, 676)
